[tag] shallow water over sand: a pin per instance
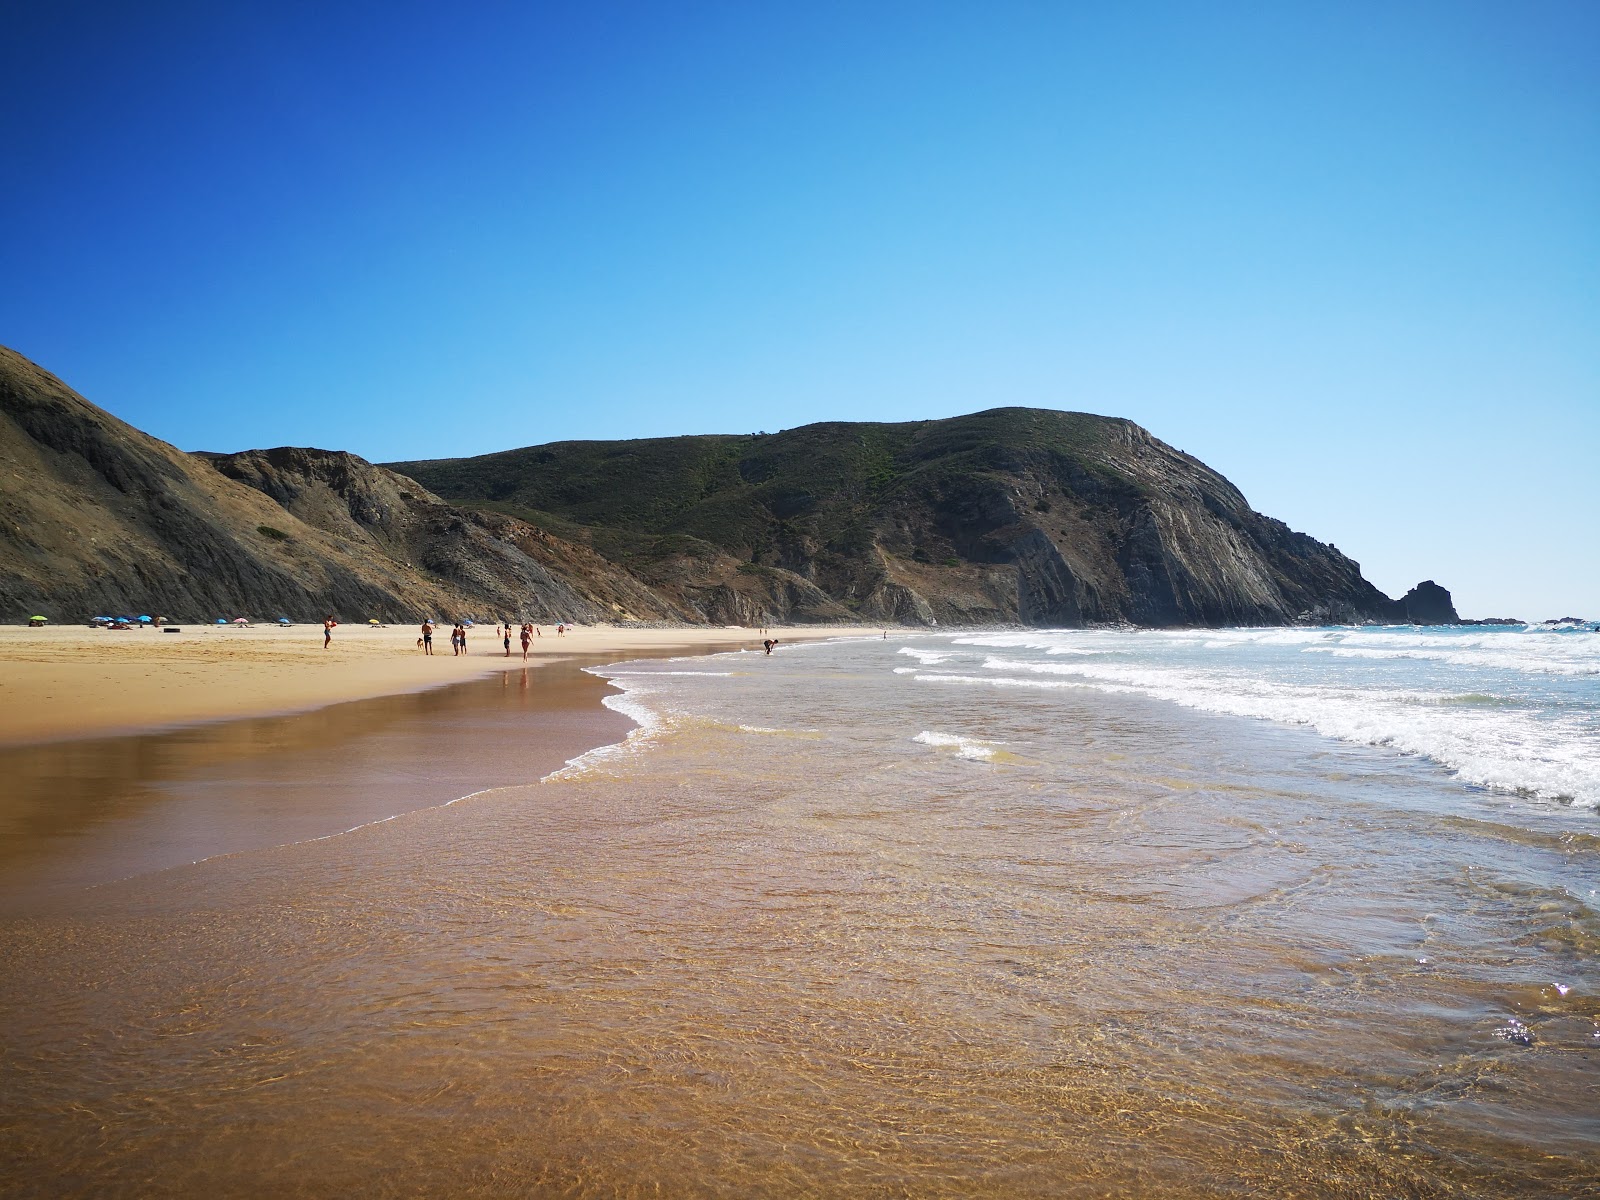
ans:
(1086, 944)
(80, 814)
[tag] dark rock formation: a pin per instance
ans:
(1427, 604)
(1011, 515)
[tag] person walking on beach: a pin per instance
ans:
(328, 627)
(527, 636)
(505, 637)
(427, 637)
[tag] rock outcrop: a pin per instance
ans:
(1426, 604)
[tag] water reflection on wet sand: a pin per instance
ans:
(76, 814)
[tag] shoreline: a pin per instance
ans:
(79, 813)
(98, 811)
(69, 684)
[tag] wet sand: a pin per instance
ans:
(85, 813)
(75, 682)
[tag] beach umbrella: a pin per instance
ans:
(145, 619)
(374, 621)
(241, 620)
(284, 621)
(222, 620)
(100, 618)
(37, 617)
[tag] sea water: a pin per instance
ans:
(1077, 913)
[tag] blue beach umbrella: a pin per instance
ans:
(284, 621)
(145, 619)
(222, 620)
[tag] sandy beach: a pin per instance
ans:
(75, 682)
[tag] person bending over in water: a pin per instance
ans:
(769, 644)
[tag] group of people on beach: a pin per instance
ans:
(458, 635)
(505, 631)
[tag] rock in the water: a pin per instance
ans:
(1428, 604)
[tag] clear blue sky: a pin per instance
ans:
(1348, 254)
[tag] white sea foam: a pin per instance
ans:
(648, 723)
(611, 672)
(926, 657)
(1489, 745)
(975, 749)
(1495, 658)
(1002, 681)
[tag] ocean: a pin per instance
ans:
(1291, 912)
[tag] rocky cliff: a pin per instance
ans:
(1007, 516)
(1010, 515)
(99, 518)
(488, 561)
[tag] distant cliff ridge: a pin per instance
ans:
(1011, 516)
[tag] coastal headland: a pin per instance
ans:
(1008, 516)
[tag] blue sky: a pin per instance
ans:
(1349, 255)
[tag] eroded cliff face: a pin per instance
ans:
(1011, 516)
(1154, 539)
(493, 564)
(99, 518)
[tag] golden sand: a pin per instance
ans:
(77, 682)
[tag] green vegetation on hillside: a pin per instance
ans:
(748, 493)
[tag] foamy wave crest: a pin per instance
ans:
(926, 657)
(1040, 640)
(1494, 658)
(648, 725)
(1222, 639)
(610, 673)
(1486, 745)
(1003, 681)
(974, 749)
